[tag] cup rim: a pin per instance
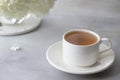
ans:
(83, 30)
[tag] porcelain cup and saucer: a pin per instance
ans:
(81, 59)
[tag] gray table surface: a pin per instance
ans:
(101, 16)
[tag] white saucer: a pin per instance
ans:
(54, 57)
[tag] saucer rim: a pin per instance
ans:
(72, 72)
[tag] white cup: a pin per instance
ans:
(83, 55)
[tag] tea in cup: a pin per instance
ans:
(81, 47)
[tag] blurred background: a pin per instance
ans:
(98, 8)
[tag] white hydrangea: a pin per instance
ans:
(20, 8)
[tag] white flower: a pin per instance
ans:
(20, 8)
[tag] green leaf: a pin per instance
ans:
(0, 24)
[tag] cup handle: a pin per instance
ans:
(107, 42)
